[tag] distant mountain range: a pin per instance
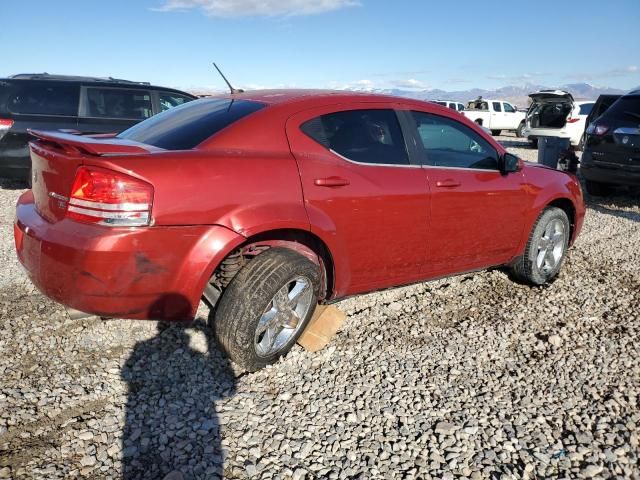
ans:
(518, 95)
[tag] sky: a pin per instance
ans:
(407, 44)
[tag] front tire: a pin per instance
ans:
(520, 130)
(266, 307)
(546, 248)
(495, 133)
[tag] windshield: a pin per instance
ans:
(186, 126)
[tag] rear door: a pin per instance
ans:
(35, 105)
(106, 109)
(476, 212)
(361, 191)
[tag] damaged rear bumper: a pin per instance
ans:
(144, 272)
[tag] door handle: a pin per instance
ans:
(448, 183)
(331, 182)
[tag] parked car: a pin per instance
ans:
(554, 113)
(457, 106)
(496, 115)
(81, 104)
(612, 147)
(268, 202)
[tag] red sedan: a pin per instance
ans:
(266, 203)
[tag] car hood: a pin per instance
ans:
(551, 96)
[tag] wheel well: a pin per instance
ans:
(301, 241)
(566, 205)
(479, 121)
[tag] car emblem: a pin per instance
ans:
(625, 139)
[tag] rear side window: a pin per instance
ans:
(585, 108)
(363, 136)
(497, 107)
(626, 109)
(449, 143)
(169, 100)
(118, 103)
(186, 126)
(43, 99)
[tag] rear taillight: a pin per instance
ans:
(597, 130)
(573, 120)
(106, 197)
(5, 126)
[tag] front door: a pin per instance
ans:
(477, 213)
(362, 194)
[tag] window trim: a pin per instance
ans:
(84, 102)
(421, 156)
(392, 108)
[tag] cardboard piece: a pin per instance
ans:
(324, 324)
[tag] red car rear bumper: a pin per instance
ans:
(148, 273)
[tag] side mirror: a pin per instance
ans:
(509, 163)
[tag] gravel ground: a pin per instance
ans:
(470, 377)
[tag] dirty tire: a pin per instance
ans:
(520, 130)
(495, 133)
(597, 189)
(247, 297)
(526, 268)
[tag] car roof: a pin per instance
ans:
(76, 79)
(322, 97)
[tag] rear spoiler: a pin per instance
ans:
(94, 145)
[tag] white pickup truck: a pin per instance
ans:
(496, 115)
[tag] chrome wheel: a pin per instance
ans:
(551, 246)
(283, 317)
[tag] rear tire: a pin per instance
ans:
(597, 189)
(520, 130)
(266, 307)
(546, 248)
(495, 133)
(533, 142)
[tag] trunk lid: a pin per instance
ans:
(55, 158)
(551, 96)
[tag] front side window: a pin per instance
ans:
(186, 126)
(497, 107)
(169, 100)
(363, 136)
(43, 99)
(449, 143)
(118, 103)
(508, 108)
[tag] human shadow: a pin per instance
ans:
(174, 380)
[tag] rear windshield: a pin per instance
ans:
(40, 98)
(585, 108)
(626, 108)
(186, 126)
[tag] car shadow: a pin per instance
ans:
(11, 184)
(174, 380)
(524, 143)
(617, 205)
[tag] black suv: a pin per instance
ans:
(80, 104)
(612, 146)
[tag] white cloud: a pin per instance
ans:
(411, 83)
(614, 72)
(523, 77)
(268, 8)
